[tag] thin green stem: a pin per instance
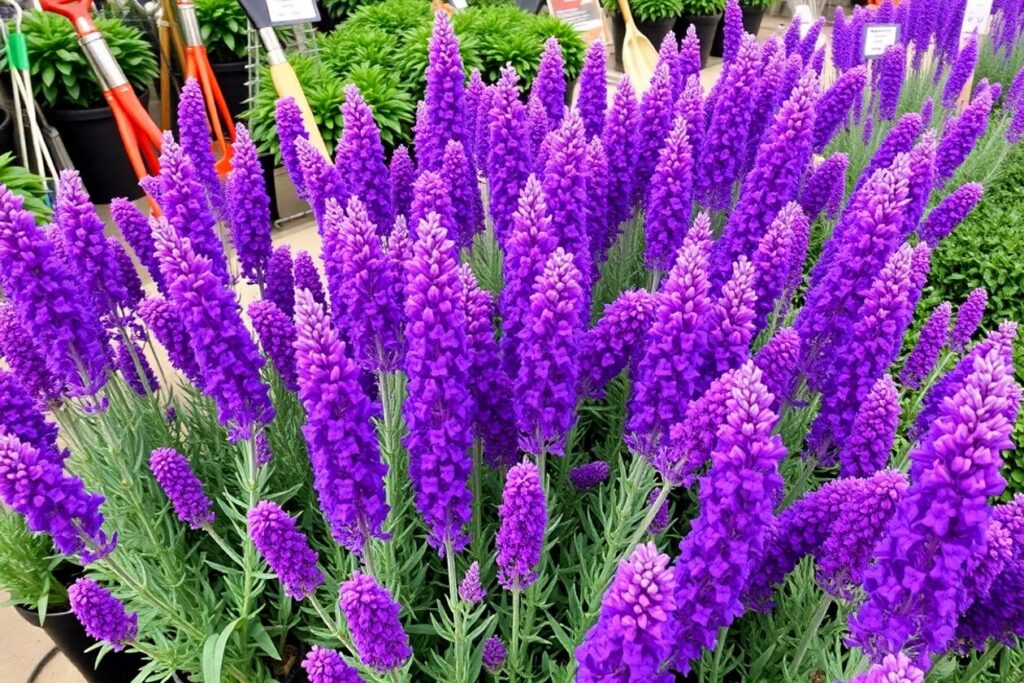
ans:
(219, 540)
(810, 632)
(478, 511)
(170, 612)
(459, 646)
(810, 462)
(514, 640)
(982, 662)
(328, 620)
(250, 560)
(716, 660)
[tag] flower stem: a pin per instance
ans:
(812, 630)
(459, 646)
(478, 509)
(219, 540)
(514, 640)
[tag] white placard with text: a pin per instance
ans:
(290, 12)
(977, 18)
(878, 38)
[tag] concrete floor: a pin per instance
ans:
(26, 646)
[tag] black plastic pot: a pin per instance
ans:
(233, 80)
(752, 17)
(706, 28)
(68, 635)
(655, 31)
(7, 133)
(94, 145)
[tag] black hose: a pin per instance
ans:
(41, 664)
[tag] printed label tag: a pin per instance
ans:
(290, 12)
(582, 15)
(878, 38)
(977, 18)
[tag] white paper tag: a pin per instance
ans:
(803, 14)
(977, 18)
(878, 38)
(290, 12)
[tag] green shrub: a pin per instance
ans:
(351, 45)
(411, 58)
(61, 76)
(394, 17)
(650, 10)
(27, 185)
(342, 9)
(702, 8)
(224, 26)
(27, 562)
(757, 3)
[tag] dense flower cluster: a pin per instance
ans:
(372, 616)
(174, 474)
(103, 615)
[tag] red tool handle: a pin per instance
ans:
(223, 128)
(75, 10)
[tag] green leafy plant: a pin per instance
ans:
(757, 3)
(28, 185)
(223, 25)
(411, 59)
(342, 9)
(394, 17)
(648, 10)
(27, 562)
(61, 75)
(702, 8)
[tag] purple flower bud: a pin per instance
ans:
(401, 175)
(778, 362)
(901, 139)
(276, 333)
(320, 178)
(867, 449)
(494, 654)
(470, 589)
(593, 90)
(308, 277)
(29, 367)
(602, 237)
(263, 453)
(621, 145)
(280, 285)
(164, 320)
(545, 387)
(689, 54)
(285, 548)
(810, 40)
(445, 98)
(825, 188)
(101, 614)
(894, 668)
(327, 666)
(692, 440)
(733, 31)
(360, 160)
(730, 323)
(968, 318)
(430, 195)
(538, 124)
(565, 194)
(549, 85)
(656, 116)
(950, 212)
(134, 228)
(962, 71)
(139, 377)
(961, 134)
(249, 215)
(842, 41)
(589, 476)
(523, 514)
(194, 131)
(290, 128)
(670, 200)
(182, 487)
(833, 109)
(609, 346)
(636, 629)
(22, 416)
(372, 616)
(459, 176)
(474, 100)
(772, 260)
(921, 360)
(661, 518)
(690, 105)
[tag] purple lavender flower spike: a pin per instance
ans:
(961, 134)
(35, 486)
(101, 614)
(523, 514)
(493, 654)
(348, 472)
(591, 475)
(445, 98)
(842, 41)
(308, 277)
(733, 31)
(636, 629)
(186, 208)
(134, 228)
(280, 285)
(933, 337)
(549, 85)
(690, 105)
(873, 432)
(724, 149)
(401, 176)
(165, 322)
(868, 348)
(661, 518)
(922, 171)
(772, 260)
(656, 117)
(791, 39)
(249, 217)
(372, 616)
(320, 177)
(474, 100)
(621, 143)
(437, 410)
(467, 208)
(778, 361)
(194, 132)
(968, 318)
(47, 303)
(538, 125)
(285, 548)
(360, 160)
(774, 180)
(181, 485)
(228, 359)
(602, 237)
(669, 371)
(527, 248)
(810, 41)
(491, 389)
(901, 138)
(483, 135)
(365, 285)
(727, 540)
(470, 589)
(22, 416)
(764, 101)
(894, 668)
(431, 195)
(565, 193)
(692, 440)
(129, 276)
(670, 200)
(140, 378)
(689, 54)
(327, 666)
(833, 109)
(1015, 133)
(545, 387)
(731, 321)
(962, 71)
(263, 454)
(289, 129)
(916, 586)
(608, 347)
(950, 212)
(825, 187)
(593, 90)
(668, 54)
(276, 333)
(86, 250)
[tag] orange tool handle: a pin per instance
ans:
(223, 128)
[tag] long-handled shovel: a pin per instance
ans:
(639, 57)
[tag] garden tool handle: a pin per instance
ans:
(286, 83)
(627, 14)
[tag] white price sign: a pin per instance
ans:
(878, 38)
(977, 17)
(289, 12)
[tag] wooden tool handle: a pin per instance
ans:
(627, 15)
(287, 85)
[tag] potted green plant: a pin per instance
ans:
(66, 87)
(223, 26)
(654, 18)
(28, 186)
(704, 16)
(753, 13)
(35, 579)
